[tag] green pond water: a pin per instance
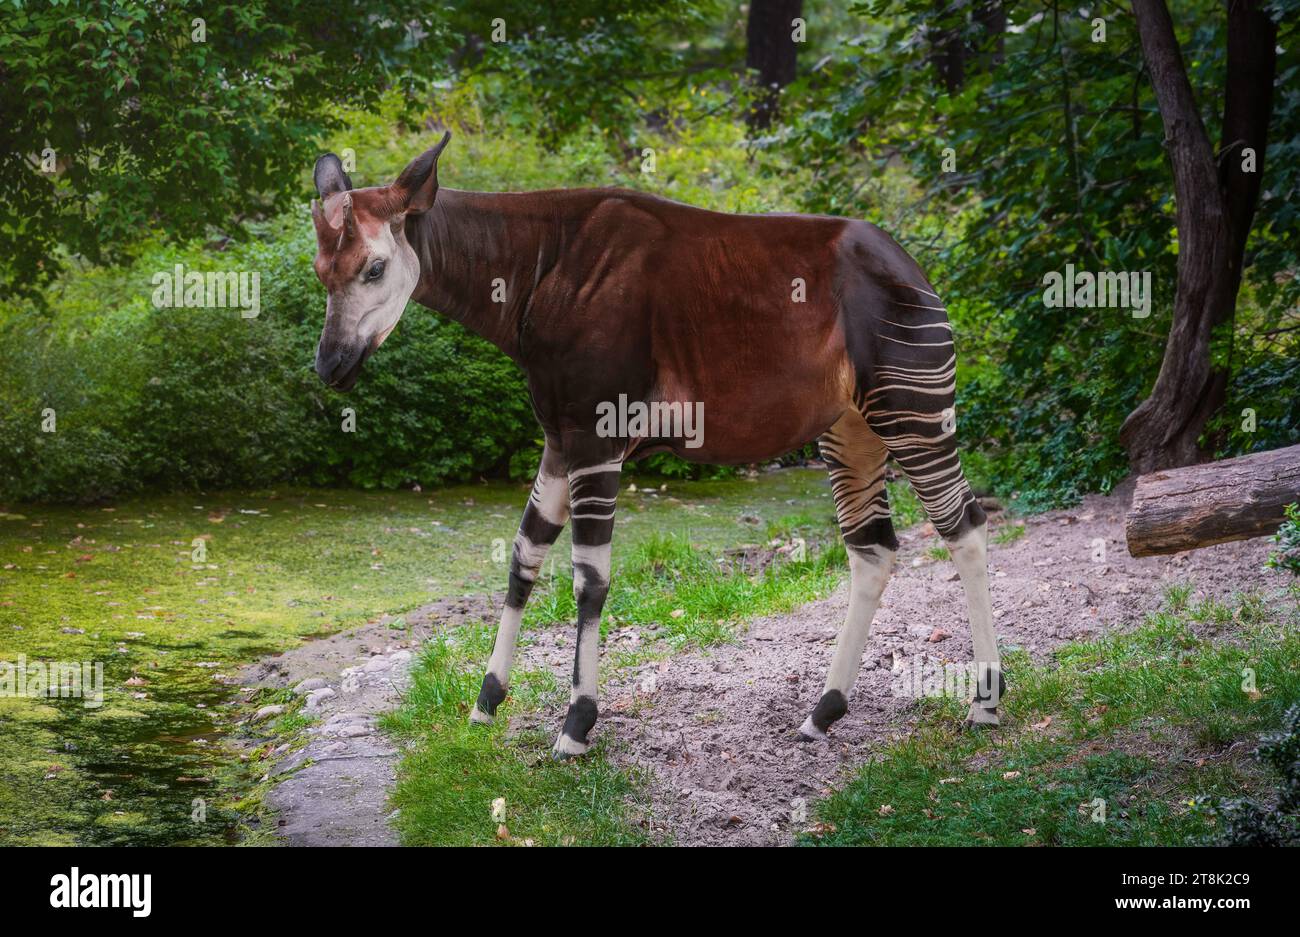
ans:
(171, 595)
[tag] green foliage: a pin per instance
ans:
(584, 63)
(1251, 823)
(157, 120)
(1287, 556)
(1058, 159)
(170, 150)
(202, 398)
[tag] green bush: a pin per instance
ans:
(1287, 555)
(204, 399)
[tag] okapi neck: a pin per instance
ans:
(481, 254)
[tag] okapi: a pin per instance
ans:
(597, 293)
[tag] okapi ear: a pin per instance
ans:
(329, 176)
(417, 186)
(318, 219)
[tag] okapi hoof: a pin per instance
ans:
(490, 696)
(573, 737)
(829, 708)
(810, 733)
(566, 749)
(983, 711)
(980, 718)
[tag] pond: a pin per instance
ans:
(173, 594)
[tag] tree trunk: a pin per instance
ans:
(992, 15)
(1185, 508)
(947, 48)
(772, 52)
(1214, 214)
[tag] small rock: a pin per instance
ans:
(308, 685)
(316, 697)
(266, 712)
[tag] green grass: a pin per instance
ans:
(1008, 533)
(1139, 725)
(453, 772)
(693, 596)
(688, 597)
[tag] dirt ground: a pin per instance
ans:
(713, 732)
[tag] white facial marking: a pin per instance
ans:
(368, 309)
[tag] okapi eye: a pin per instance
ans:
(376, 270)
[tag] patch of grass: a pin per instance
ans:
(454, 771)
(904, 505)
(1114, 745)
(689, 597)
(1008, 533)
(1177, 595)
(938, 553)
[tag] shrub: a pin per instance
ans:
(1248, 823)
(1287, 556)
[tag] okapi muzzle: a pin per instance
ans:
(776, 329)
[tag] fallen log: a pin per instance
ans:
(1181, 509)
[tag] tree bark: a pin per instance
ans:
(1215, 208)
(1196, 506)
(772, 52)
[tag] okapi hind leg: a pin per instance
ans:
(911, 410)
(544, 517)
(969, 552)
(855, 457)
(593, 492)
(930, 461)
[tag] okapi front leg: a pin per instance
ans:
(592, 495)
(544, 517)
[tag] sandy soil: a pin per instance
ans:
(713, 732)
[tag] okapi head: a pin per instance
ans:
(363, 258)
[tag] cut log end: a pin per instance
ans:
(1200, 505)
